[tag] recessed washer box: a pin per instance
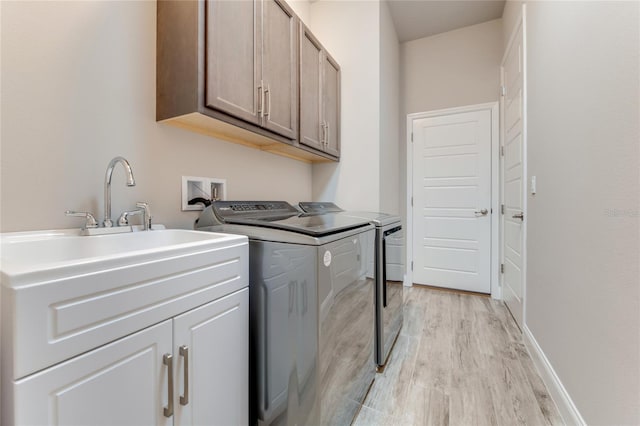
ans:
(202, 187)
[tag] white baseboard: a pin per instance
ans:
(559, 394)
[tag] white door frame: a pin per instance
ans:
(493, 107)
(520, 25)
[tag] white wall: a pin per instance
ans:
(451, 69)
(389, 113)
(583, 290)
(350, 31)
(302, 8)
(78, 88)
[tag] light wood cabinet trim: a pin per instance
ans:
(200, 123)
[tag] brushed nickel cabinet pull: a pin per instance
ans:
(167, 360)
(518, 216)
(260, 100)
(267, 94)
(184, 352)
(328, 134)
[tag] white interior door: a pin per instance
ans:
(512, 176)
(452, 200)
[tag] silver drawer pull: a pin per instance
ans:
(267, 107)
(167, 360)
(184, 352)
(482, 212)
(518, 216)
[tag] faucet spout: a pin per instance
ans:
(107, 186)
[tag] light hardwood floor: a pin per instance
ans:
(459, 360)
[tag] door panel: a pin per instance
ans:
(280, 76)
(331, 95)
(310, 90)
(451, 182)
(121, 383)
(233, 58)
(217, 338)
(513, 183)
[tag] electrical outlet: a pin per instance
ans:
(202, 187)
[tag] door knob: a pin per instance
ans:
(518, 216)
(482, 212)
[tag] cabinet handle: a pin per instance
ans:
(322, 134)
(184, 352)
(260, 100)
(267, 108)
(167, 360)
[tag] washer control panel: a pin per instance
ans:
(253, 208)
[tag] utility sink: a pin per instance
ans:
(62, 294)
(66, 251)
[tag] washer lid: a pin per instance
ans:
(319, 207)
(375, 218)
(282, 215)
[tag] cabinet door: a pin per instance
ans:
(331, 104)
(216, 336)
(121, 383)
(279, 66)
(232, 60)
(311, 126)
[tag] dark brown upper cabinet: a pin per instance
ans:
(251, 62)
(319, 96)
(230, 69)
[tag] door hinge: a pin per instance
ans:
(412, 265)
(503, 91)
(411, 201)
(411, 136)
(502, 208)
(502, 268)
(502, 151)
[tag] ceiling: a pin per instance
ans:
(415, 19)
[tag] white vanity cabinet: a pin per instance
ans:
(122, 383)
(216, 336)
(150, 338)
(127, 382)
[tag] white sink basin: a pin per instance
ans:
(62, 294)
(30, 252)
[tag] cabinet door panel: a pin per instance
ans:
(233, 58)
(217, 335)
(122, 383)
(310, 90)
(279, 67)
(331, 97)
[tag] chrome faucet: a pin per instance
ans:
(107, 186)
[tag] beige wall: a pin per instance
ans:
(78, 88)
(389, 113)
(583, 248)
(451, 69)
(350, 31)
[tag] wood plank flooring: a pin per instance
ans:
(459, 360)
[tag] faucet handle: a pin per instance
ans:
(90, 219)
(123, 220)
(147, 214)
